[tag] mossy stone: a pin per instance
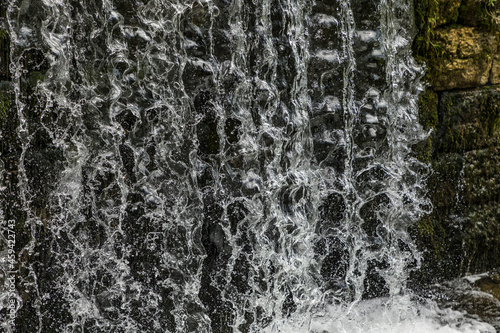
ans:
(4, 55)
(33, 79)
(434, 13)
(430, 14)
(479, 13)
(469, 120)
(462, 58)
(444, 184)
(447, 11)
(428, 109)
(6, 101)
(482, 239)
(481, 183)
(462, 234)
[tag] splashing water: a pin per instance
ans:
(219, 166)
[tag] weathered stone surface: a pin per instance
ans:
(429, 119)
(477, 13)
(490, 284)
(462, 235)
(463, 58)
(4, 55)
(481, 238)
(446, 11)
(438, 12)
(469, 120)
(481, 182)
(465, 295)
(445, 183)
(495, 69)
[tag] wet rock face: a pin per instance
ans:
(4, 55)
(469, 120)
(478, 296)
(461, 107)
(490, 284)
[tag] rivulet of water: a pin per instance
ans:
(216, 166)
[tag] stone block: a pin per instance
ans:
(481, 177)
(470, 179)
(469, 120)
(481, 239)
(462, 58)
(444, 184)
(462, 235)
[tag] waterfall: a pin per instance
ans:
(215, 165)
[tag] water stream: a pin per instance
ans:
(218, 166)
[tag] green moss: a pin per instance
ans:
(428, 116)
(430, 14)
(426, 18)
(444, 183)
(34, 78)
(469, 120)
(3, 35)
(4, 54)
(423, 150)
(481, 182)
(482, 239)
(486, 54)
(428, 109)
(431, 237)
(483, 14)
(425, 227)
(5, 104)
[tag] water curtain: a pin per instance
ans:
(213, 166)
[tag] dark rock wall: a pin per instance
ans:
(459, 40)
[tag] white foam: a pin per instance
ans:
(384, 316)
(327, 20)
(367, 35)
(475, 278)
(328, 55)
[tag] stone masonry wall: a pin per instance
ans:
(459, 41)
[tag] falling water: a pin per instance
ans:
(216, 166)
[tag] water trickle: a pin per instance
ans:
(217, 166)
